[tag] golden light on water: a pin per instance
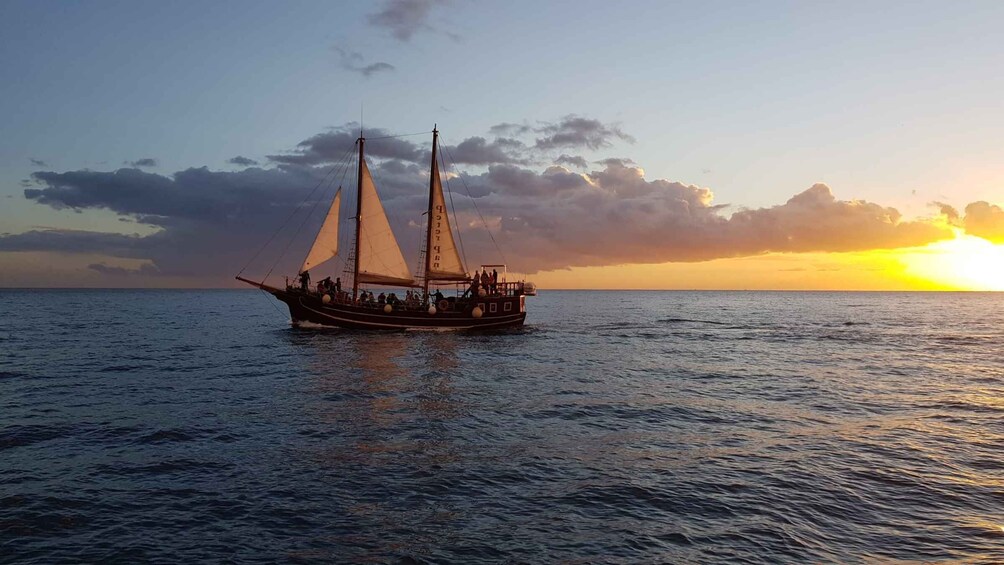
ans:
(965, 263)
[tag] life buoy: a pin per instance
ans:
(443, 305)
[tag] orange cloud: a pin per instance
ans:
(985, 220)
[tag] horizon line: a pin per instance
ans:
(6, 288)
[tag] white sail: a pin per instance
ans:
(380, 259)
(326, 244)
(444, 258)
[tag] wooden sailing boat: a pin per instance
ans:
(378, 261)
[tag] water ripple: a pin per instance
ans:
(190, 426)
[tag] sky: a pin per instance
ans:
(760, 145)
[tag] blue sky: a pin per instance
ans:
(896, 103)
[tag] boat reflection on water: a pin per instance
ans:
(383, 411)
(381, 379)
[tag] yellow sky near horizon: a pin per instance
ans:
(963, 263)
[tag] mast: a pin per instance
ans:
(428, 230)
(359, 215)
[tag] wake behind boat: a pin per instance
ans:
(476, 301)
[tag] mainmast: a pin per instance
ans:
(428, 231)
(359, 215)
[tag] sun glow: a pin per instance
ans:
(965, 263)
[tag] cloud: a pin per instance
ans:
(614, 216)
(510, 129)
(38, 162)
(355, 62)
(145, 162)
(336, 144)
(574, 131)
(572, 160)
(479, 151)
(985, 220)
(616, 162)
(404, 18)
(949, 212)
(242, 161)
(208, 223)
(145, 269)
(74, 241)
(570, 132)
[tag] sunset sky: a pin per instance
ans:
(721, 145)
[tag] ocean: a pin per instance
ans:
(617, 427)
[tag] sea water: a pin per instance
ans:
(633, 427)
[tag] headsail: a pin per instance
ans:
(380, 258)
(444, 259)
(326, 244)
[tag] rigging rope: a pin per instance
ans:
(289, 217)
(344, 163)
(467, 188)
(456, 219)
(400, 135)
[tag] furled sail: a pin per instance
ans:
(444, 259)
(380, 259)
(326, 244)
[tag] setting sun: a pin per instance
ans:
(965, 263)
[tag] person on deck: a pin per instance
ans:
(495, 281)
(382, 299)
(438, 296)
(305, 280)
(338, 284)
(485, 280)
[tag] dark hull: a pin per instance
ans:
(308, 307)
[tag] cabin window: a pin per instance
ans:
(493, 307)
(507, 307)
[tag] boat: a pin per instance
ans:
(476, 301)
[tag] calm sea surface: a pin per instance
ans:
(634, 427)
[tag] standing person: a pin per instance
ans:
(485, 281)
(495, 281)
(338, 284)
(304, 280)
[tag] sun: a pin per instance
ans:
(964, 263)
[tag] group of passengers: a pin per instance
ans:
(488, 282)
(412, 299)
(326, 286)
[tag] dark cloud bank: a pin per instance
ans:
(544, 215)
